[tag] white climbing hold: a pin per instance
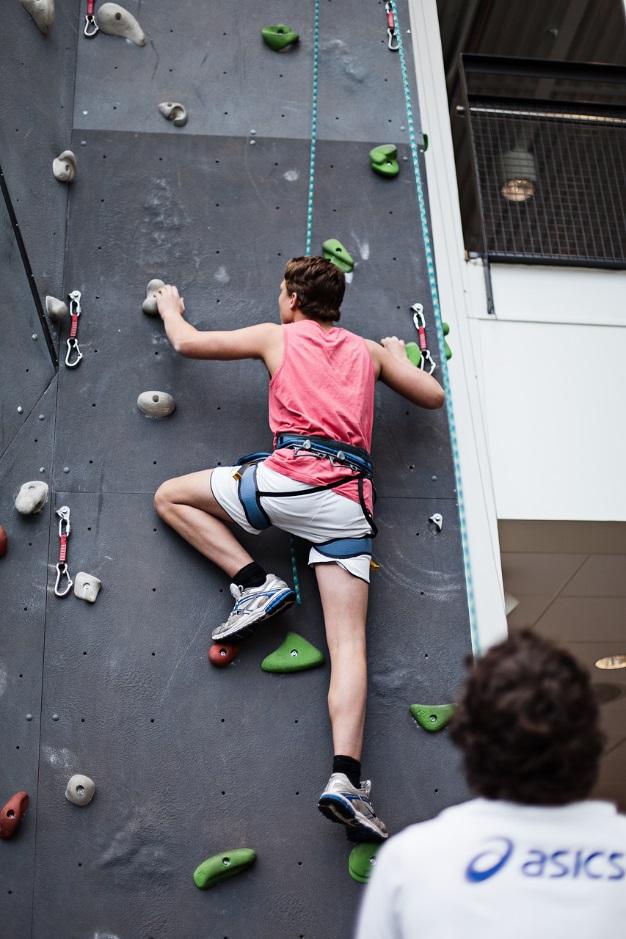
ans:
(64, 167)
(80, 789)
(149, 305)
(437, 520)
(42, 11)
(115, 20)
(32, 497)
(156, 403)
(56, 309)
(174, 111)
(86, 587)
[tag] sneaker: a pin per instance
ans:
(254, 604)
(345, 803)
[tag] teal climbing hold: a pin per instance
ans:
(295, 654)
(279, 36)
(432, 717)
(220, 866)
(413, 353)
(334, 251)
(447, 349)
(362, 859)
(384, 160)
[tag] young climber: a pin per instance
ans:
(316, 485)
(532, 856)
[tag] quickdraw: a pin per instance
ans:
(392, 41)
(427, 363)
(91, 27)
(62, 568)
(72, 342)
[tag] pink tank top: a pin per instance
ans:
(324, 387)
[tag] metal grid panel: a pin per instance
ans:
(577, 214)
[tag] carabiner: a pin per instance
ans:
(72, 342)
(427, 358)
(392, 41)
(419, 320)
(62, 568)
(64, 520)
(90, 21)
(62, 571)
(427, 363)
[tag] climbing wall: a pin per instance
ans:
(189, 760)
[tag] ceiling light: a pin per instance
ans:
(612, 661)
(518, 175)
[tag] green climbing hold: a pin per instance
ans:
(384, 160)
(221, 866)
(413, 353)
(295, 654)
(279, 36)
(362, 859)
(334, 251)
(432, 717)
(447, 349)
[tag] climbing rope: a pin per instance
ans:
(294, 570)
(432, 280)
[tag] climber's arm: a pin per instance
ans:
(395, 370)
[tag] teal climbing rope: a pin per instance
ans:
(311, 193)
(294, 570)
(432, 280)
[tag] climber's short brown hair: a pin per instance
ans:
(320, 287)
(528, 724)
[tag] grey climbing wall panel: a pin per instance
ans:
(189, 760)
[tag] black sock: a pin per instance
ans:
(252, 575)
(350, 767)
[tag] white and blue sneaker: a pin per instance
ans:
(253, 605)
(345, 803)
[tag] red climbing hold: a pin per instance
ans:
(222, 653)
(3, 542)
(12, 814)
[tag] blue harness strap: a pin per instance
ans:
(249, 497)
(345, 547)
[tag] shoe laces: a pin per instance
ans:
(236, 591)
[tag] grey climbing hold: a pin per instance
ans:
(87, 587)
(42, 11)
(437, 520)
(116, 21)
(149, 305)
(32, 497)
(156, 403)
(80, 789)
(64, 167)
(56, 309)
(174, 111)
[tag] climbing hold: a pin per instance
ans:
(149, 305)
(294, 654)
(80, 789)
(4, 541)
(32, 497)
(175, 112)
(222, 653)
(87, 587)
(384, 160)
(56, 309)
(432, 717)
(64, 167)
(156, 403)
(12, 813)
(362, 859)
(334, 251)
(446, 347)
(437, 520)
(413, 353)
(221, 866)
(115, 20)
(279, 36)
(42, 11)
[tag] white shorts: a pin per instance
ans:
(316, 517)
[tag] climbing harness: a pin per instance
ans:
(426, 363)
(392, 40)
(445, 377)
(91, 27)
(353, 458)
(72, 342)
(62, 568)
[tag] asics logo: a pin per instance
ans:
(570, 863)
(489, 862)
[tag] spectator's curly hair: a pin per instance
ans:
(320, 287)
(528, 724)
